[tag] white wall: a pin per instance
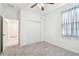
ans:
(0, 9)
(25, 17)
(9, 12)
(53, 31)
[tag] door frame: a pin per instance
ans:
(1, 33)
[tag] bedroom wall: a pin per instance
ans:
(26, 16)
(0, 9)
(10, 12)
(53, 32)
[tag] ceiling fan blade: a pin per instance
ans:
(49, 3)
(33, 5)
(42, 8)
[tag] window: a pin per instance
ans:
(70, 24)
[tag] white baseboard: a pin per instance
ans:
(75, 51)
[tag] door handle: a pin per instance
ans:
(13, 36)
(4, 34)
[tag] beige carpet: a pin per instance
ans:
(37, 49)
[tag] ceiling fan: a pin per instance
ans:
(41, 5)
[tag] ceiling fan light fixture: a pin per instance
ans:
(40, 4)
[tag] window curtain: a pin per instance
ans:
(70, 24)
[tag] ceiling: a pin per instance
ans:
(36, 9)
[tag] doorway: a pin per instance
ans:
(10, 32)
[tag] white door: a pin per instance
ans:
(13, 32)
(32, 32)
(10, 32)
(5, 33)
